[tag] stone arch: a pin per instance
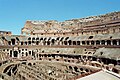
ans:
(10, 53)
(25, 42)
(21, 43)
(34, 64)
(29, 64)
(15, 54)
(83, 42)
(29, 42)
(70, 42)
(81, 69)
(44, 42)
(33, 39)
(92, 42)
(26, 54)
(37, 42)
(74, 42)
(57, 38)
(66, 38)
(37, 39)
(86, 70)
(97, 42)
(108, 42)
(9, 42)
(70, 68)
(53, 41)
(78, 42)
(114, 42)
(62, 39)
(65, 42)
(103, 42)
(29, 38)
(87, 42)
(89, 52)
(41, 39)
(13, 41)
(76, 69)
(48, 42)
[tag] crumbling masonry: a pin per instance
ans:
(69, 50)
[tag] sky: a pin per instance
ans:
(14, 13)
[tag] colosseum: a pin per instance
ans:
(77, 49)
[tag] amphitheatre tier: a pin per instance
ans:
(76, 49)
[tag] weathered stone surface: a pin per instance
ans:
(69, 50)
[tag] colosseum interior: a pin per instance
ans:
(76, 49)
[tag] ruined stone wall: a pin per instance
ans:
(5, 33)
(90, 25)
(93, 42)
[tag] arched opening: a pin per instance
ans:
(61, 38)
(57, 38)
(78, 42)
(74, 42)
(9, 42)
(33, 63)
(29, 52)
(53, 41)
(48, 42)
(33, 42)
(65, 42)
(29, 38)
(37, 39)
(114, 42)
(33, 39)
(37, 43)
(45, 39)
(9, 72)
(97, 42)
(81, 69)
(15, 54)
(87, 42)
(25, 43)
(86, 70)
(70, 67)
(90, 37)
(89, 52)
(26, 54)
(108, 42)
(103, 42)
(43, 51)
(29, 42)
(66, 38)
(92, 42)
(76, 69)
(83, 42)
(69, 42)
(10, 53)
(29, 64)
(44, 42)
(21, 43)
(41, 38)
(13, 41)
